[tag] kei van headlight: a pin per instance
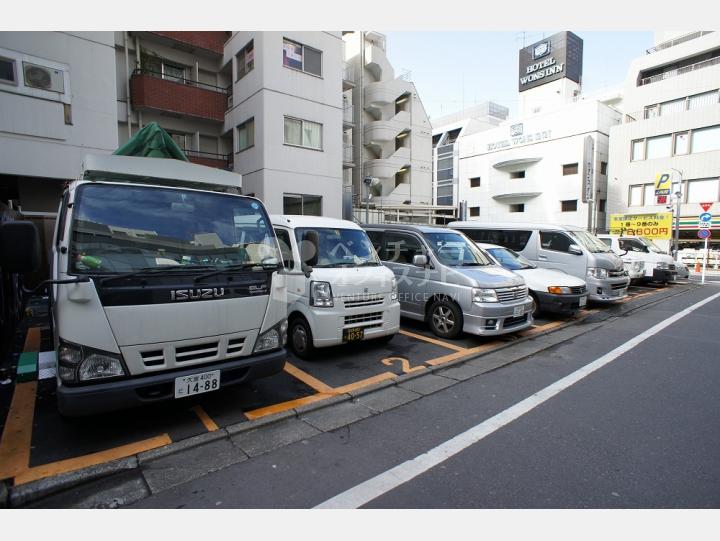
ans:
(393, 289)
(321, 294)
(595, 272)
(484, 295)
(273, 338)
(77, 364)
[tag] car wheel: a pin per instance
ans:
(301, 338)
(536, 306)
(445, 318)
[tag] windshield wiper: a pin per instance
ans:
(369, 264)
(472, 264)
(228, 268)
(153, 270)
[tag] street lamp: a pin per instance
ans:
(678, 201)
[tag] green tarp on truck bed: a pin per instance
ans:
(152, 142)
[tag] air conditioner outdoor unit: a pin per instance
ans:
(42, 77)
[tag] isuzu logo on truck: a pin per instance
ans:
(197, 294)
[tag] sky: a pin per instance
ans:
(452, 70)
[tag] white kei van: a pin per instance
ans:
(567, 248)
(338, 290)
(658, 266)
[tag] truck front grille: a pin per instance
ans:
(196, 352)
(369, 300)
(617, 273)
(372, 317)
(509, 294)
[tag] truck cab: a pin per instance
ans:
(165, 285)
(338, 290)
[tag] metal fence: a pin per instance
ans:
(680, 71)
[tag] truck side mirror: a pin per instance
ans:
(309, 248)
(420, 260)
(575, 249)
(19, 247)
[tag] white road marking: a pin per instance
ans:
(385, 482)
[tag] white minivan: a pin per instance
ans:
(338, 290)
(658, 266)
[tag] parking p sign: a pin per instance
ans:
(663, 183)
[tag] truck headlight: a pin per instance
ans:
(273, 338)
(559, 290)
(484, 295)
(80, 363)
(662, 265)
(393, 289)
(595, 272)
(321, 294)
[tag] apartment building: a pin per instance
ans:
(671, 123)
(389, 132)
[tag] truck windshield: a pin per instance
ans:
(633, 245)
(590, 242)
(126, 228)
(454, 249)
(509, 259)
(651, 245)
(341, 247)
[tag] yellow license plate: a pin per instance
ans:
(352, 335)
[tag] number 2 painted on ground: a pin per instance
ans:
(403, 362)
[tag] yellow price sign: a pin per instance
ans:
(656, 226)
(663, 183)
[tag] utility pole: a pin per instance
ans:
(678, 201)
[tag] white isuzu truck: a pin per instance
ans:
(165, 283)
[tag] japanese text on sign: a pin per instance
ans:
(653, 226)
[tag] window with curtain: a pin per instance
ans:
(635, 196)
(245, 60)
(303, 133)
(659, 147)
(703, 100)
(701, 190)
(246, 134)
(301, 57)
(706, 139)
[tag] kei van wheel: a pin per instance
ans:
(301, 338)
(445, 318)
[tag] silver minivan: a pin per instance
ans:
(567, 248)
(445, 280)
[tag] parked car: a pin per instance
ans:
(445, 280)
(553, 291)
(337, 289)
(562, 247)
(659, 266)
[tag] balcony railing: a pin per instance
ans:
(348, 154)
(154, 90)
(348, 115)
(677, 41)
(348, 76)
(680, 71)
(211, 159)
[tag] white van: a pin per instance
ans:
(338, 290)
(566, 248)
(658, 266)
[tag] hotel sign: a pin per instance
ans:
(551, 59)
(518, 138)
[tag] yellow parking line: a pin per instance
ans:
(542, 328)
(460, 354)
(433, 340)
(17, 436)
(72, 464)
(284, 406)
(210, 425)
(307, 379)
(364, 383)
(32, 340)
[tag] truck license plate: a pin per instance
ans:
(583, 301)
(354, 334)
(518, 311)
(197, 384)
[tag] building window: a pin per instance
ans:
(681, 143)
(635, 196)
(674, 106)
(303, 133)
(309, 205)
(475, 182)
(569, 205)
(603, 168)
(703, 100)
(444, 194)
(699, 191)
(706, 139)
(570, 169)
(649, 195)
(517, 174)
(517, 207)
(245, 60)
(301, 57)
(181, 139)
(8, 75)
(659, 147)
(246, 134)
(173, 72)
(474, 211)
(638, 150)
(601, 205)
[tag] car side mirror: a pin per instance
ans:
(575, 249)
(420, 260)
(19, 247)
(309, 248)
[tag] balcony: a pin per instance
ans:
(149, 90)
(219, 161)
(680, 71)
(348, 116)
(208, 42)
(678, 41)
(348, 162)
(348, 77)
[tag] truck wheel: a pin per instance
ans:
(301, 338)
(445, 318)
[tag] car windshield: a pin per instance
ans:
(127, 228)
(340, 247)
(651, 245)
(454, 249)
(590, 242)
(509, 259)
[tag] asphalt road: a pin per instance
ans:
(641, 431)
